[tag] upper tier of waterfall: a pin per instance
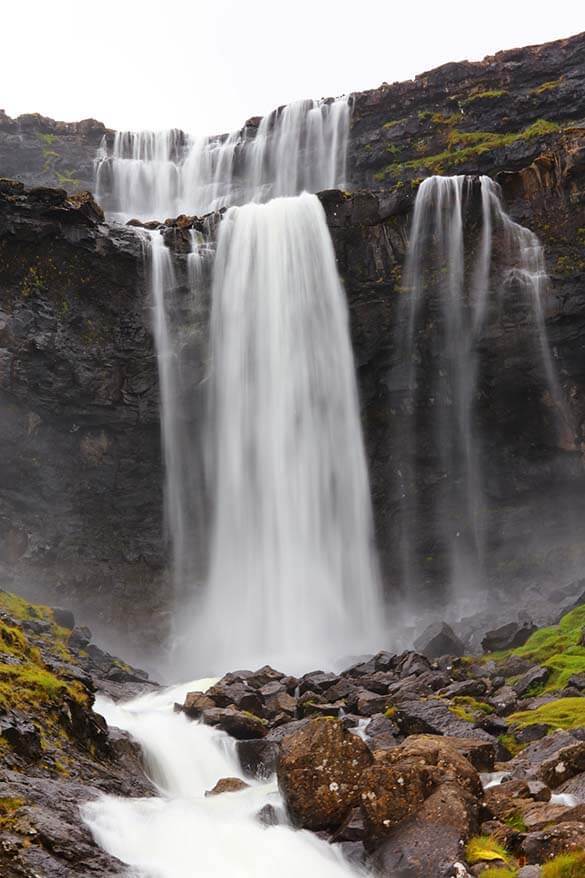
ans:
(156, 174)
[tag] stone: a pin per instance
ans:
(195, 703)
(439, 639)
(433, 717)
(64, 618)
(534, 677)
(79, 638)
(474, 688)
(268, 816)
(529, 872)
(352, 828)
(368, 703)
(390, 793)
(508, 636)
(258, 757)
(532, 733)
(382, 733)
(414, 849)
(317, 681)
(443, 758)
(504, 700)
(22, 736)
(227, 785)
(237, 723)
(319, 771)
(563, 838)
(574, 787)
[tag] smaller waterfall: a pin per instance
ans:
(292, 571)
(299, 147)
(464, 254)
(175, 304)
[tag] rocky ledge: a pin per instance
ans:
(55, 752)
(423, 764)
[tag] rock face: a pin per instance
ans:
(39, 151)
(80, 502)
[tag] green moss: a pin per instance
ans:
(390, 712)
(443, 119)
(47, 138)
(466, 145)
(485, 848)
(563, 713)
(392, 123)
(469, 709)
(565, 866)
(512, 745)
(546, 86)
(491, 94)
(495, 872)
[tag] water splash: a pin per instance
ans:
(299, 147)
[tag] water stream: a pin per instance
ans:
(181, 832)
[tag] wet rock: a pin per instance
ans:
(433, 717)
(508, 636)
(64, 618)
(391, 792)
(534, 677)
(268, 816)
(502, 800)
(566, 763)
(504, 700)
(258, 757)
(415, 849)
(443, 758)
(238, 693)
(473, 688)
(22, 736)
(439, 639)
(574, 787)
(79, 638)
(195, 703)
(532, 733)
(237, 723)
(382, 733)
(227, 785)
(317, 681)
(538, 847)
(368, 703)
(319, 771)
(352, 828)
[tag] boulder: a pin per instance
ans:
(319, 771)
(415, 849)
(504, 700)
(432, 716)
(195, 703)
(237, 723)
(563, 838)
(258, 757)
(227, 785)
(508, 636)
(534, 677)
(64, 618)
(382, 733)
(443, 758)
(439, 639)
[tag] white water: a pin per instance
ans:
(293, 575)
(158, 174)
(453, 283)
(180, 833)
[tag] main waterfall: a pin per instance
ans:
(292, 568)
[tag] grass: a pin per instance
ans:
(485, 849)
(564, 713)
(495, 872)
(469, 709)
(516, 822)
(565, 866)
(466, 145)
(546, 86)
(512, 745)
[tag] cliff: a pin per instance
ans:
(80, 476)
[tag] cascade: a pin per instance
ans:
(292, 571)
(465, 256)
(182, 832)
(148, 174)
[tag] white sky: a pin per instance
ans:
(207, 65)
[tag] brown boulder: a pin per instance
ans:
(319, 773)
(441, 755)
(390, 793)
(195, 703)
(237, 723)
(227, 785)
(564, 838)
(565, 764)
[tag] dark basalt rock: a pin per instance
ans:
(507, 636)
(439, 639)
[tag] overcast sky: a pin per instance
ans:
(207, 65)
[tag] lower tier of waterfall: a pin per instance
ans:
(182, 832)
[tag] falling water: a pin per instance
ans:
(292, 572)
(452, 270)
(182, 832)
(299, 147)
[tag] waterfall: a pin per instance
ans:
(292, 572)
(464, 254)
(153, 175)
(182, 832)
